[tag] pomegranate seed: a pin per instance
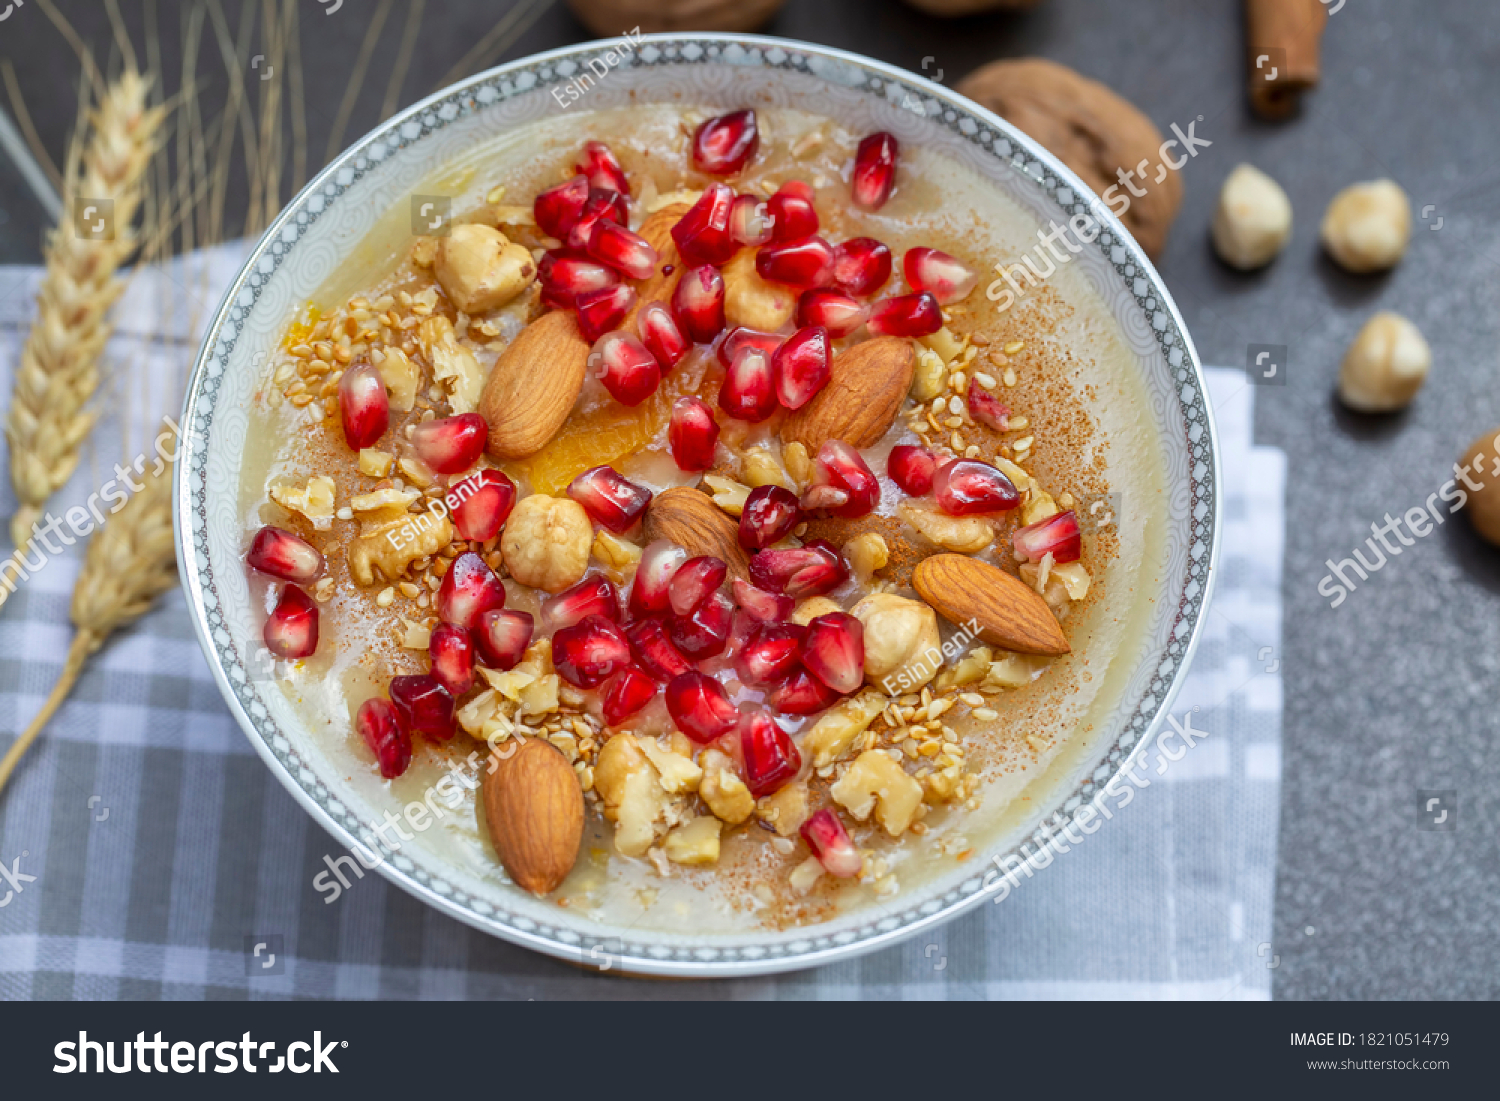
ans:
(601, 206)
(749, 390)
(793, 215)
(965, 486)
(624, 250)
(589, 652)
(451, 650)
(469, 589)
(503, 637)
(802, 367)
(291, 632)
(771, 760)
(365, 408)
(564, 277)
(769, 515)
(844, 470)
(695, 581)
(424, 706)
(702, 234)
(861, 266)
(906, 315)
(875, 170)
(698, 303)
(802, 694)
(284, 555)
(627, 692)
(594, 595)
(609, 499)
(651, 593)
(927, 269)
(705, 632)
(723, 145)
(986, 408)
(654, 649)
(800, 572)
(557, 209)
(829, 841)
(770, 653)
(911, 467)
(760, 605)
(803, 263)
(739, 338)
(662, 336)
(1056, 535)
(481, 503)
(603, 168)
(602, 310)
(451, 444)
(694, 434)
(834, 651)
(626, 367)
(380, 727)
(832, 310)
(700, 708)
(750, 221)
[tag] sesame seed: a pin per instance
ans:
(386, 598)
(1014, 346)
(973, 699)
(986, 714)
(1010, 377)
(987, 381)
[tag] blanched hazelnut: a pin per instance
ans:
(1484, 503)
(479, 269)
(1385, 366)
(751, 301)
(867, 553)
(1253, 220)
(901, 637)
(811, 608)
(547, 541)
(1367, 226)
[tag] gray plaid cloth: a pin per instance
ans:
(162, 851)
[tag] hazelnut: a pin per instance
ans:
(1253, 220)
(867, 553)
(811, 608)
(479, 269)
(546, 542)
(1385, 366)
(1484, 503)
(901, 635)
(751, 301)
(1367, 226)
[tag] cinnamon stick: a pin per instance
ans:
(1283, 37)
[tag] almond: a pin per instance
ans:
(659, 285)
(533, 386)
(1008, 612)
(534, 808)
(692, 521)
(864, 393)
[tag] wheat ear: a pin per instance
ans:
(59, 368)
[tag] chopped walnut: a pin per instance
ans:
(402, 377)
(723, 790)
(786, 810)
(875, 782)
(1009, 670)
(811, 608)
(836, 730)
(969, 669)
(546, 542)
(728, 494)
(679, 774)
(696, 842)
(634, 799)
(867, 553)
(453, 365)
(959, 534)
(392, 540)
(375, 464)
(760, 468)
(315, 501)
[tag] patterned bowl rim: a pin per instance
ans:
(793, 948)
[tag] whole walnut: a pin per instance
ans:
(609, 17)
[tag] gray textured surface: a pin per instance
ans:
(1386, 694)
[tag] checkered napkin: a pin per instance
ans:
(154, 856)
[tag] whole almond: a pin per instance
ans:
(533, 386)
(534, 807)
(1006, 611)
(865, 390)
(692, 521)
(659, 285)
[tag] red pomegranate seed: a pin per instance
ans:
(771, 760)
(557, 209)
(770, 653)
(662, 336)
(911, 466)
(705, 632)
(750, 221)
(609, 499)
(654, 649)
(603, 168)
(601, 206)
(966, 486)
(986, 408)
(834, 651)
(722, 146)
(651, 593)
(842, 470)
(760, 605)
(700, 708)
(469, 589)
(702, 234)
(829, 841)
(481, 503)
(624, 250)
(602, 310)
(284, 555)
(451, 444)
(739, 338)
(291, 631)
(589, 652)
(906, 315)
(749, 388)
(803, 263)
(792, 213)
(503, 637)
(802, 367)
(875, 170)
(594, 595)
(802, 694)
(451, 650)
(693, 435)
(366, 409)
(627, 692)
(831, 310)
(626, 367)
(769, 515)
(424, 706)
(380, 727)
(564, 277)
(861, 266)
(927, 269)
(1056, 535)
(695, 581)
(810, 570)
(698, 303)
